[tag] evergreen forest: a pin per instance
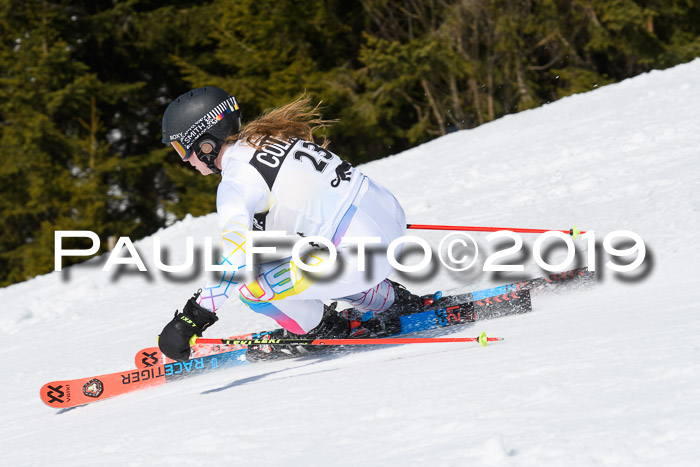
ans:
(83, 86)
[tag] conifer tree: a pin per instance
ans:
(55, 168)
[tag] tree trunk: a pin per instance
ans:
(475, 57)
(433, 105)
(459, 116)
(489, 89)
(525, 96)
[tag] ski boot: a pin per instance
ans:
(387, 322)
(332, 326)
(406, 303)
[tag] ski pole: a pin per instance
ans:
(574, 232)
(482, 340)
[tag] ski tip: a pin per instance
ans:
(483, 340)
(148, 357)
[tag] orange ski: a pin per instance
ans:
(70, 393)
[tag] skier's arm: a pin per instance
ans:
(236, 204)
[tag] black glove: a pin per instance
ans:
(174, 340)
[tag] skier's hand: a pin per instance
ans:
(179, 334)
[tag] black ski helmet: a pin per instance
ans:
(199, 121)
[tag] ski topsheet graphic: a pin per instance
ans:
(71, 393)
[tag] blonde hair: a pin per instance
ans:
(298, 119)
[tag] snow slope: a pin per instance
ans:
(609, 376)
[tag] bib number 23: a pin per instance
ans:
(317, 156)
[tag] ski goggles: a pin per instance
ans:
(182, 152)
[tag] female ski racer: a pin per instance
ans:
(274, 177)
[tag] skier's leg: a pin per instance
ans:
(375, 299)
(379, 214)
(275, 293)
(293, 297)
(296, 316)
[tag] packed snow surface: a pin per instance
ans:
(606, 376)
